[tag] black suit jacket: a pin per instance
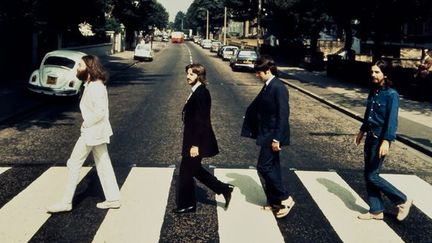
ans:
(198, 130)
(267, 117)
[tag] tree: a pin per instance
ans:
(196, 15)
(139, 16)
(179, 21)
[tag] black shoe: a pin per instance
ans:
(227, 195)
(190, 209)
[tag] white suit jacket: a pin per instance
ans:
(96, 128)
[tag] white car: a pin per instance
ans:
(57, 74)
(229, 52)
(143, 52)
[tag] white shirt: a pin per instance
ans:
(194, 87)
(269, 80)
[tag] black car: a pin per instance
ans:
(244, 59)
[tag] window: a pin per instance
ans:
(60, 61)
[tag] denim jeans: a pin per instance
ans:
(269, 169)
(375, 184)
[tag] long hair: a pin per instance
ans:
(265, 63)
(95, 68)
(199, 70)
(387, 69)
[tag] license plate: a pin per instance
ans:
(51, 80)
(247, 62)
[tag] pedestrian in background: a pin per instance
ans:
(199, 142)
(95, 135)
(267, 121)
(380, 124)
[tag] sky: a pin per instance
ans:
(174, 6)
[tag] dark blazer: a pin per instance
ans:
(198, 130)
(267, 117)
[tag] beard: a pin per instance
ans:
(82, 75)
(192, 83)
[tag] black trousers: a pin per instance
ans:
(269, 169)
(191, 168)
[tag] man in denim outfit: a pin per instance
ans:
(380, 125)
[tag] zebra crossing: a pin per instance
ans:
(145, 199)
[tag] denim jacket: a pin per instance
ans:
(381, 115)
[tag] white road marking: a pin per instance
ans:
(21, 218)
(190, 54)
(415, 188)
(144, 200)
(341, 205)
(3, 169)
(245, 221)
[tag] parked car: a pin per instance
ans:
(206, 43)
(244, 59)
(57, 74)
(143, 52)
(215, 45)
(165, 38)
(229, 51)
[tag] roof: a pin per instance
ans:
(66, 53)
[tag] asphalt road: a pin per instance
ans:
(145, 111)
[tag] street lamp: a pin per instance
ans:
(225, 26)
(259, 25)
(207, 22)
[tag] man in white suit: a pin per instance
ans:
(95, 135)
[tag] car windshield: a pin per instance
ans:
(247, 54)
(60, 61)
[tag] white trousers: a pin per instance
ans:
(103, 166)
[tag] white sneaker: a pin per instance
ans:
(109, 204)
(59, 207)
(404, 209)
(288, 201)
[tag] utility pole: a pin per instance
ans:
(225, 27)
(259, 25)
(207, 25)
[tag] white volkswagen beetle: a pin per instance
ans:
(57, 74)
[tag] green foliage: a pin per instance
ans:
(113, 24)
(179, 21)
(196, 15)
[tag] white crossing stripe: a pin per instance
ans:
(245, 221)
(3, 169)
(25, 213)
(144, 200)
(415, 188)
(341, 205)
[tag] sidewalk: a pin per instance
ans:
(415, 118)
(17, 101)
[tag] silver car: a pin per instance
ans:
(57, 74)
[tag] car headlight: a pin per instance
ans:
(71, 84)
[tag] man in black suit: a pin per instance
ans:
(199, 142)
(267, 121)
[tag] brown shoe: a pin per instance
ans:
(403, 209)
(369, 216)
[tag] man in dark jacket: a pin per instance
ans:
(199, 142)
(267, 121)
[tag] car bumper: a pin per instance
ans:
(242, 65)
(50, 91)
(142, 58)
